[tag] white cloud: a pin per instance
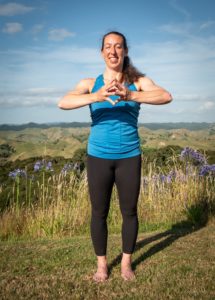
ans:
(180, 9)
(60, 34)
(207, 24)
(12, 9)
(180, 29)
(37, 28)
(194, 97)
(208, 105)
(182, 65)
(81, 55)
(71, 54)
(188, 29)
(12, 28)
(31, 97)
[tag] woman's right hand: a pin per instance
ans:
(104, 93)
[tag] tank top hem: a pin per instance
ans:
(133, 153)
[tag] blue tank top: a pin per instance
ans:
(114, 132)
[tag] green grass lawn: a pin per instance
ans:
(173, 264)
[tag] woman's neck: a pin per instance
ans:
(110, 75)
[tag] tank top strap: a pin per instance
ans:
(98, 83)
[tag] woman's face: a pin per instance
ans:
(113, 52)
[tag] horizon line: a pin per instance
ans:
(75, 122)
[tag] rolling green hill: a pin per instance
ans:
(63, 141)
(153, 126)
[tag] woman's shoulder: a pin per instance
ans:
(86, 84)
(142, 82)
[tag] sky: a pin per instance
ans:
(48, 46)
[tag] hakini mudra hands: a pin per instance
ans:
(113, 88)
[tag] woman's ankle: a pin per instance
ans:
(102, 261)
(126, 259)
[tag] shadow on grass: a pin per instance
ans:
(197, 218)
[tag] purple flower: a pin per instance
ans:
(49, 166)
(207, 170)
(168, 178)
(43, 165)
(37, 166)
(71, 167)
(162, 178)
(189, 154)
(67, 167)
(17, 172)
(172, 173)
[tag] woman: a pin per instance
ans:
(113, 148)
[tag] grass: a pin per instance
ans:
(46, 251)
(54, 205)
(174, 264)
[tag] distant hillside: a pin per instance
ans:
(180, 125)
(153, 126)
(56, 140)
(16, 127)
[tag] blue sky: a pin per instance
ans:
(48, 46)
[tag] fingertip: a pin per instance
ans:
(110, 101)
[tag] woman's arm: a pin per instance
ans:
(82, 96)
(78, 97)
(150, 93)
(147, 92)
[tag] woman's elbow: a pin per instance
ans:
(167, 98)
(60, 105)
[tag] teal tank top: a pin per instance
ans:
(114, 132)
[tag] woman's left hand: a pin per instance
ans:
(122, 91)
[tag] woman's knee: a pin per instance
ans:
(100, 213)
(129, 212)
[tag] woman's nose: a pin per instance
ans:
(112, 50)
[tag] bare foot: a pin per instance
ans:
(101, 274)
(126, 270)
(127, 273)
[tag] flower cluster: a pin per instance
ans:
(17, 173)
(198, 160)
(178, 176)
(67, 168)
(43, 165)
(207, 170)
(189, 154)
(160, 178)
(166, 178)
(71, 167)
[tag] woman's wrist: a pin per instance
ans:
(128, 95)
(133, 96)
(94, 97)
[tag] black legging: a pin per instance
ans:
(102, 174)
